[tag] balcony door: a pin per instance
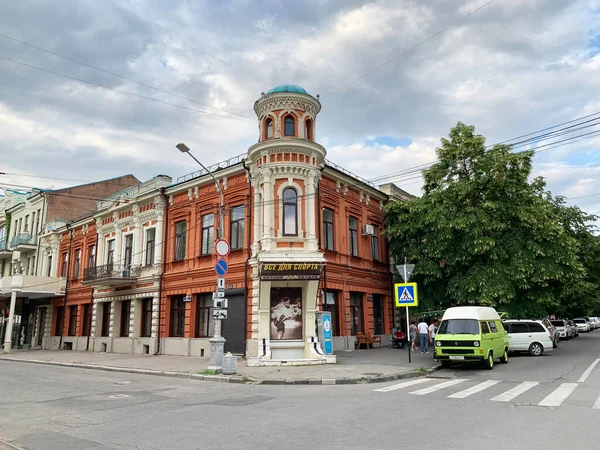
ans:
(127, 260)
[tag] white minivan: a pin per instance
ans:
(530, 336)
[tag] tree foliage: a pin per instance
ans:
(483, 233)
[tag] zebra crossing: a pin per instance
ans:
(548, 394)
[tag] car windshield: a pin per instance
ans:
(459, 326)
(579, 321)
(558, 323)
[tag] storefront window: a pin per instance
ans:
(125, 317)
(330, 304)
(72, 320)
(177, 316)
(146, 317)
(356, 320)
(60, 320)
(204, 322)
(286, 313)
(105, 319)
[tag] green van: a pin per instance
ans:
(471, 334)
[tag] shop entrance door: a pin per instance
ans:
(41, 327)
(377, 314)
(233, 326)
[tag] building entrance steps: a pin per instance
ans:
(354, 367)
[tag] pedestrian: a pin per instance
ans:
(413, 335)
(432, 332)
(423, 331)
(399, 338)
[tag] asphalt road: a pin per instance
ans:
(530, 403)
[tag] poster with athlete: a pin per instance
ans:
(286, 313)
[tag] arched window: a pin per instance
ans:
(289, 126)
(269, 127)
(290, 212)
(308, 129)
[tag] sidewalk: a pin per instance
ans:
(358, 366)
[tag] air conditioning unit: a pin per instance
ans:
(369, 230)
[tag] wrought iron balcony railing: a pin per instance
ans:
(23, 238)
(111, 271)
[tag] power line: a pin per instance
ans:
(121, 91)
(117, 75)
(443, 30)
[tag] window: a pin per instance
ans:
(177, 316)
(87, 319)
(91, 256)
(180, 234)
(110, 254)
(353, 227)
(289, 126)
(37, 221)
(60, 319)
(146, 317)
(49, 265)
(237, 227)
(518, 327)
(72, 320)
(355, 313)
(493, 327)
(150, 237)
(484, 328)
(330, 304)
(26, 228)
(307, 129)
(63, 270)
(375, 244)
(105, 319)
(269, 127)
(290, 212)
(204, 322)
(535, 327)
(76, 264)
(328, 229)
(208, 234)
(127, 260)
(125, 318)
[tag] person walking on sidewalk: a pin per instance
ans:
(432, 332)
(424, 338)
(413, 335)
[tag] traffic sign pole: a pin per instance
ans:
(217, 342)
(407, 320)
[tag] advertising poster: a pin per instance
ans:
(286, 313)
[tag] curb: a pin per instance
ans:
(236, 379)
(4, 444)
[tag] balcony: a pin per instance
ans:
(111, 275)
(23, 241)
(4, 251)
(32, 286)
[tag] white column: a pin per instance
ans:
(138, 238)
(268, 207)
(310, 212)
(100, 250)
(258, 215)
(112, 324)
(155, 317)
(118, 250)
(158, 240)
(11, 318)
(53, 271)
(133, 309)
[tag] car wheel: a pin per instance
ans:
(536, 349)
(489, 362)
(504, 358)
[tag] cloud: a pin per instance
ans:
(509, 69)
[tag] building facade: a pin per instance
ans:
(305, 236)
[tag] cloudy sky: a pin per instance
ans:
(513, 67)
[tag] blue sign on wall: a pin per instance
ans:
(327, 336)
(221, 268)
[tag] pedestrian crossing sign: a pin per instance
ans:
(406, 294)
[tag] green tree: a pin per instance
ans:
(483, 233)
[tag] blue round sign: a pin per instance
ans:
(221, 268)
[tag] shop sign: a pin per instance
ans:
(290, 271)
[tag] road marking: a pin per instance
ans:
(438, 387)
(515, 392)
(588, 371)
(403, 385)
(559, 395)
(475, 389)
(597, 404)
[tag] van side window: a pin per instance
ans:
(519, 328)
(493, 327)
(536, 328)
(484, 328)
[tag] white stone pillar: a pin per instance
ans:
(118, 250)
(132, 316)
(155, 317)
(94, 321)
(138, 238)
(53, 271)
(111, 325)
(310, 212)
(269, 211)
(11, 319)
(159, 240)
(258, 215)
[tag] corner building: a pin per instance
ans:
(305, 236)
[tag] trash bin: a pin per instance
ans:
(229, 364)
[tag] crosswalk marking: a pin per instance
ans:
(597, 404)
(587, 372)
(438, 387)
(559, 395)
(515, 392)
(403, 385)
(475, 389)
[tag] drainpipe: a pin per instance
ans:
(248, 254)
(163, 263)
(62, 328)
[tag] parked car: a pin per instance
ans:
(573, 328)
(594, 323)
(530, 336)
(563, 328)
(583, 324)
(553, 332)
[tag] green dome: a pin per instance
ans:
(288, 88)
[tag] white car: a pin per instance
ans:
(563, 328)
(594, 322)
(583, 325)
(528, 336)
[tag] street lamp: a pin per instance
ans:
(217, 342)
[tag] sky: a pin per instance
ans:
(513, 67)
